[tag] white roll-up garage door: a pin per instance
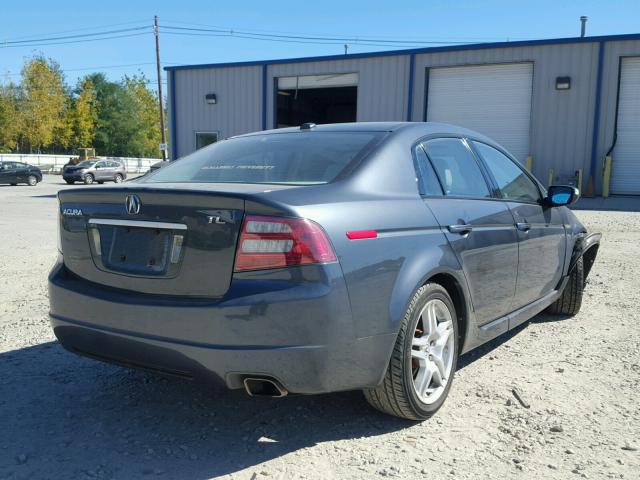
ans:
(625, 169)
(492, 99)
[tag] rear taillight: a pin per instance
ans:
(274, 242)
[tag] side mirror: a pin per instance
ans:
(562, 195)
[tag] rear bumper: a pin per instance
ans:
(293, 326)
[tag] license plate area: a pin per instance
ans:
(148, 249)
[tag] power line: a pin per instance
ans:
(305, 38)
(325, 35)
(84, 28)
(307, 42)
(76, 41)
(304, 42)
(81, 35)
(100, 67)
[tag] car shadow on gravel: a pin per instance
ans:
(64, 416)
(486, 349)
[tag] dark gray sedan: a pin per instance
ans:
(317, 259)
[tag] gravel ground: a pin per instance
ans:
(67, 417)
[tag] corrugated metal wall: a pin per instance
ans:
(561, 123)
(239, 107)
(612, 53)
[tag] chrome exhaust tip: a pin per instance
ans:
(264, 387)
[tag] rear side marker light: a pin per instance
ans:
(276, 242)
(362, 234)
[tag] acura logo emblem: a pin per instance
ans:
(132, 203)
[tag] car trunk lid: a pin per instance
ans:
(162, 240)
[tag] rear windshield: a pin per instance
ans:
(285, 158)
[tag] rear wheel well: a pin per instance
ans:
(589, 258)
(451, 285)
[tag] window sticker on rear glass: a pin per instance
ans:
(230, 167)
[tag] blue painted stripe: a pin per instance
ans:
(447, 48)
(425, 104)
(596, 112)
(173, 133)
(264, 97)
(412, 62)
(274, 100)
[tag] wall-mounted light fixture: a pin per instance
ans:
(211, 98)
(563, 83)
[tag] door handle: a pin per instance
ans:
(460, 228)
(523, 226)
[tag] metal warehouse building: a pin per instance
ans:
(561, 106)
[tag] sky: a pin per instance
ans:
(412, 21)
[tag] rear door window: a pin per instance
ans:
(427, 180)
(305, 158)
(457, 168)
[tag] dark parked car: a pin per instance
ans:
(90, 171)
(14, 173)
(355, 256)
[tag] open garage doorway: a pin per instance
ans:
(331, 98)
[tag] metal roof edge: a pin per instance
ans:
(387, 53)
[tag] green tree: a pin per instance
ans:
(44, 104)
(117, 125)
(85, 113)
(10, 118)
(149, 137)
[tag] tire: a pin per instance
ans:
(70, 182)
(88, 179)
(398, 394)
(570, 301)
(118, 178)
(32, 180)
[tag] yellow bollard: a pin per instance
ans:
(528, 163)
(550, 179)
(606, 176)
(579, 181)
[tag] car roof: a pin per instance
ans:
(417, 128)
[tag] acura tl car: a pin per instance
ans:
(90, 171)
(318, 259)
(14, 173)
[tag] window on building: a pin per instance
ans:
(457, 168)
(205, 138)
(513, 183)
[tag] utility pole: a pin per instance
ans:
(160, 99)
(346, 48)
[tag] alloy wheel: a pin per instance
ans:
(432, 351)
